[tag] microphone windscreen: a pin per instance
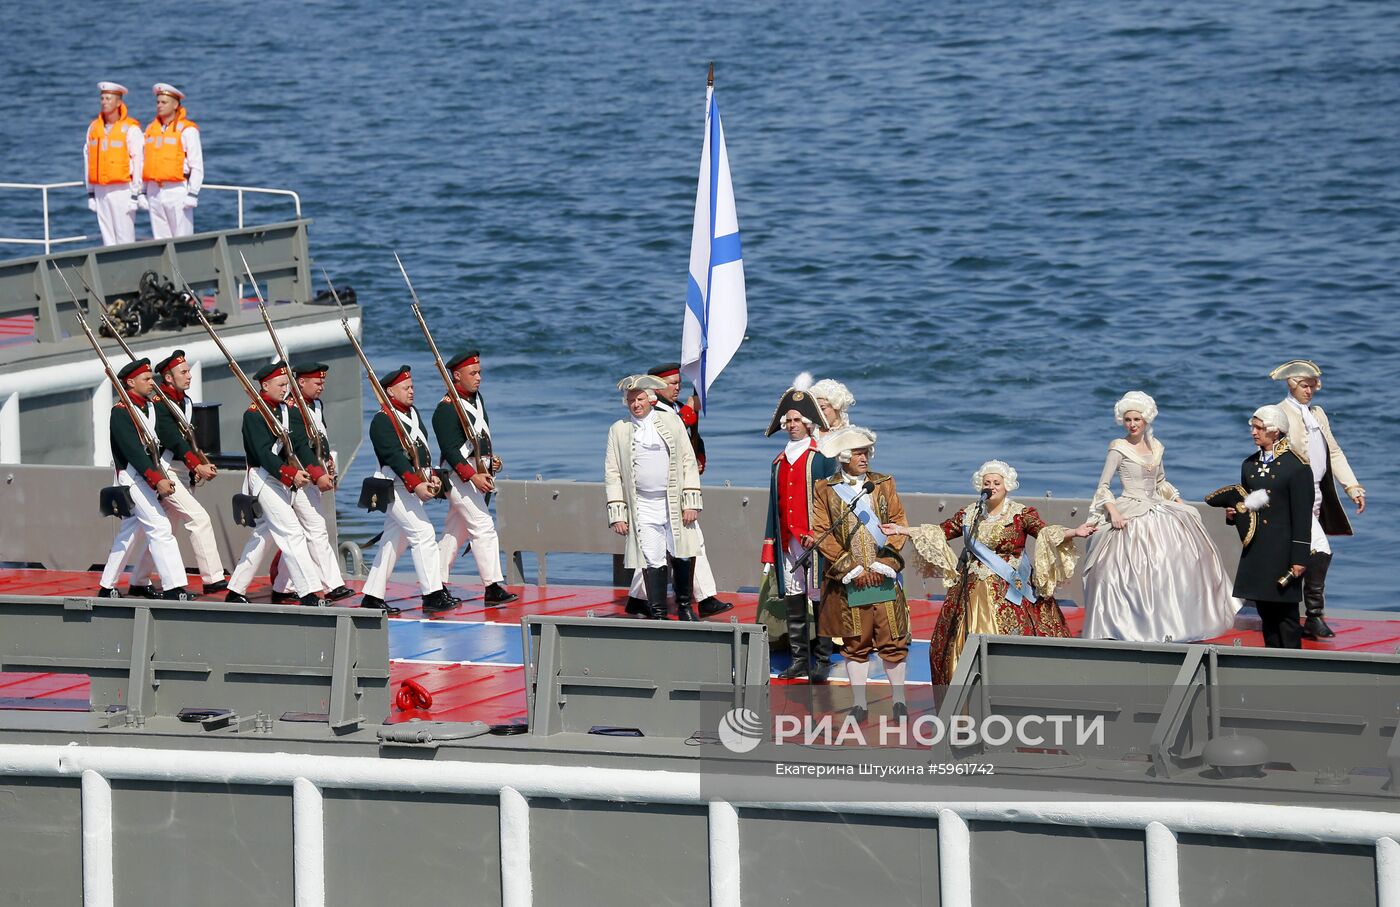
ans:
(869, 488)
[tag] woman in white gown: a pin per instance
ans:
(1156, 575)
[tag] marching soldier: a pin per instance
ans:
(468, 518)
(315, 508)
(112, 158)
(137, 471)
(275, 482)
(706, 590)
(174, 165)
(1310, 439)
(181, 505)
(792, 492)
(406, 523)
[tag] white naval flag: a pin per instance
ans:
(716, 313)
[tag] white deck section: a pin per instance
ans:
(514, 785)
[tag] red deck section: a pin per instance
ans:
(496, 693)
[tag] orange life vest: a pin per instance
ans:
(108, 160)
(165, 156)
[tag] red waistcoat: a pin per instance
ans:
(794, 511)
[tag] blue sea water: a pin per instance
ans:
(989, 220)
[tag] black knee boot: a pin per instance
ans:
(654, 579)
(821, 659)
(1314, 579)
(682, 579)
(799, 637)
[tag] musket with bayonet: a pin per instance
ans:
(483, 463)
(382, 396)
(273, 423)
(147, 441)
(312, 432)
(186, 429)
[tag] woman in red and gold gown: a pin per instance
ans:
(1005, 594)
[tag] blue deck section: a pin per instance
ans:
(492, 643)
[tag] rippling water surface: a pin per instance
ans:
(989, 219)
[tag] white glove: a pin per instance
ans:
(191, 202)
(767, 569)
(143, 202)
(92, 203)
(1257, 499)
(853, 574)
(884, 570)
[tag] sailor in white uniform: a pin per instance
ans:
(112, 161)
(406, 524)
(173, 167)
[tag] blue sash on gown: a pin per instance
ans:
(1018, 579)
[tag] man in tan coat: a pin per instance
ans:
(1310, 438)
(653, 487)
(862, 594)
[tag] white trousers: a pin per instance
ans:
(147, 524)
(469, 520)
(311, 506)
(406, 525)
(278, 529)
(169, 216)
(116, 213)
(795, 578)
(185, 510)
(703, 580)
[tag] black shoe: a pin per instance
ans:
(1316, 628)
(104, 592)
(794, 671)
(281, 598)
(312, 600)
(146, 591)
(236, 598)
(636, 606)
(901, 711)
(178, 594)
(220, 586)
(496, 594)
(340, 592)
(373, 601)
(437, 602)
(712, 606)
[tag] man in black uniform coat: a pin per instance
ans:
(1274, 500)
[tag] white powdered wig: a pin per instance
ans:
(802, 382)
(995, 467)
(1273, 417)
(1257, 499)
(835, 393)
(1135, 402)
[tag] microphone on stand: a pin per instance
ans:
(806, 558)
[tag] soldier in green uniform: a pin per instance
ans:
(468, 517)
(181, 505)
(406, 524)
(274, 480)
(139, 471)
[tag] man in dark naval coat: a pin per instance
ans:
(1272, 507)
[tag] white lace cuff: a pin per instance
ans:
(853, 574)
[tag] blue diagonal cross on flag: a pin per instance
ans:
(716, 313)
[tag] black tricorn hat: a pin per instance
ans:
(804, 403)
(1246, 521)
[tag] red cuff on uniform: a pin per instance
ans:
(689, 416)
(315, 472)
(154, 478)
(191, 460)
(465, 472)
(288, 475)
(767, 556)
(411, 479)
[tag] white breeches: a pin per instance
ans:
(278, 529)
(311, 506)
(116, 213)
(147, 524)
(795, 578)
(169, 216)
(469, 520)
(406, 525)
(704, 579)
(184, 510)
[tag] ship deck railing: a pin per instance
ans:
(48, 240)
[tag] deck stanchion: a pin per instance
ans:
(1163, 875)
(517, 885)
(308, 844)
(98, 884)
(1387, 872)
(954, 860)
(724, 854)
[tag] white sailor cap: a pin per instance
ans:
(161, 88)
(111, 88)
